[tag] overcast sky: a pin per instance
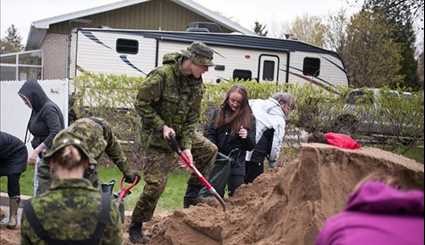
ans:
(274, 13)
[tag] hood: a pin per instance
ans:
(376, 197)
(33, 91)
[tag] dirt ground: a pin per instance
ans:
(283, 206)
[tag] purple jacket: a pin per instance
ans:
(377, 214)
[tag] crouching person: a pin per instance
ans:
(97, 134)
(72, 211)
(13, 161)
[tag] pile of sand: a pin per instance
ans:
(285, 206)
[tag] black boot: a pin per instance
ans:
(189, 201)
(135, 233)
(191, 196)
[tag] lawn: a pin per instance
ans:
(171, 199)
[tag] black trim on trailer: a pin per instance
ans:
(92, 37)
(157, 52)
(225, 39)
(278, 66)
(128, 62)
(335, 64)
(287, 67)
(76, 55)
(318, 78)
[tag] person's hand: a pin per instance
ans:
(168, 132)
(131, 176)
(243, 133)
(32, 158)
(184, 165)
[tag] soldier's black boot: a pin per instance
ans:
(191, 196)
(135, 233)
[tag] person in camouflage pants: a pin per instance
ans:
(169, 104)
(72, 211)
(98, 135)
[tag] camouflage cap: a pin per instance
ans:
(85, 134)
(63, 139)
(200, 54)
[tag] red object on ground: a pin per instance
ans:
(342, 141)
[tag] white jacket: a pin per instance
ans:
(269, 114)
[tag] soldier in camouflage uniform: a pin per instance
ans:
(98, 135)
(72, 211)
(169, 103)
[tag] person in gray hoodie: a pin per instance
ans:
(45, 122)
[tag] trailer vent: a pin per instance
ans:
(127, 46)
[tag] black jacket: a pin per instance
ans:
(46, 118)
(13, 155)
(226, 143)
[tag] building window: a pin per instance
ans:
(268, 70)
(242, 75)
(311, 67)
(219, 68)
(127, 46)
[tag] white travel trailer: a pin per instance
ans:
(136, 52)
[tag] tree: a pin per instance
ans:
(12, 41)
(372, 57)
(260, 29)
(309, 29)
(400, 14)
(421, 70)
(336, 35)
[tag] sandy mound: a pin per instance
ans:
(285, 206)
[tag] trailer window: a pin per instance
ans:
(242, 75)
(311, 67)
(127, 46)
(268, 70)
(219, 68)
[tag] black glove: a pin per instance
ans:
(131, 176)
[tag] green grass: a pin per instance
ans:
(413, 153)
(171, 199)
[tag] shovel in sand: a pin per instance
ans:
(185, 159)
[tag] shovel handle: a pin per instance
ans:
(176, 147)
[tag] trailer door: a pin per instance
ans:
(269, 68)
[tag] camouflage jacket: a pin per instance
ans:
(168, 97)
(69, 211)
(97, 134)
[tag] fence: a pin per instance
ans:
(14, 114)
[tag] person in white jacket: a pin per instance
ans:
(270, 115)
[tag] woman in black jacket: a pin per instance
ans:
(13, 161)
(232, 129)
(45, 122)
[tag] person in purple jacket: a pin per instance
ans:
(377, 213)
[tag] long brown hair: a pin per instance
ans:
(241, 117)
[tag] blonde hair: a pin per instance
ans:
(69, 157)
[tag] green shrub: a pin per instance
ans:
(112, 97)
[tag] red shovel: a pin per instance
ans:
(125, 190)
(185, 159)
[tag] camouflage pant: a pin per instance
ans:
(158, 166)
